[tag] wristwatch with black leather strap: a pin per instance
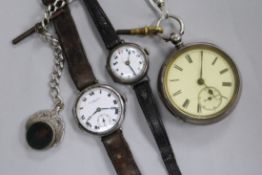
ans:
(128, 64)
(99, 109)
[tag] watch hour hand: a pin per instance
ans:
(201, 69)
(97, 110)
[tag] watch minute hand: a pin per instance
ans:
(201, 69)
(132, 70)
(108, 108)
(201, 81)
(128, 64)
(97, 110)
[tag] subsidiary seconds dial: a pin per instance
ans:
(99, 110)
(128, 63)
(200, 83)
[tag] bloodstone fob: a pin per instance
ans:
(44, 129)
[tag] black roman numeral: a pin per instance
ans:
(215, 60)
(91, 93)
(199, 108)
(189, 59)
(116, 111)
(174, 80)
(178, 68)
(115, 63)
(177, 93)
(88, 124)
(223, 71)
(186, 103)
(227, 84)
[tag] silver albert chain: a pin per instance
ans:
(45, 128)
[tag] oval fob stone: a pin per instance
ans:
(39, 135)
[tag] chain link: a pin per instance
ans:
(160, 6)
(58, 68)
(51, 10)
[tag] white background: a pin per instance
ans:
(230, 147)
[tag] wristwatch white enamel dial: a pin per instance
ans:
(128, 63)
(100, 110)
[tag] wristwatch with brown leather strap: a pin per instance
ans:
(99, 109)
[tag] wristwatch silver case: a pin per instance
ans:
(137, 79)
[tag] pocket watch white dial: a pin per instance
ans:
(200, 83)
(128, 63)
(100, 110)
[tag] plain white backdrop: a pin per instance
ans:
(230, 147)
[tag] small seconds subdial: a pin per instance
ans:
(104, 120)
(128, 63)
(99, 110)
(210, 98)
(200, 83)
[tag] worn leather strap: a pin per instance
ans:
(79, 67)
(152, 114)
(120, 154)
(83, 76)
(103, 24)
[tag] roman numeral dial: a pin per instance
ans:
(99, 109)
(200, 82)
